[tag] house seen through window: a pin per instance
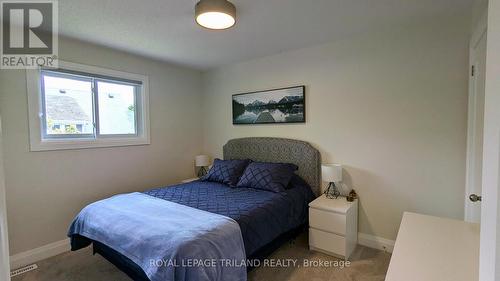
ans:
(80, 105)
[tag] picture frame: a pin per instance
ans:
(275, 106)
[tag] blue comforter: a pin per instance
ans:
(262, 215)
(167, 240)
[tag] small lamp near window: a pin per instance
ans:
(331, 173)
(202, 161)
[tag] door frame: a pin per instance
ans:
(4, 240)
(470, 177)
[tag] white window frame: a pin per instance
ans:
(35, 112)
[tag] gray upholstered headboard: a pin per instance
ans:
(300, 153)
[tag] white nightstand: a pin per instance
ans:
(189, 180)
(333, 226)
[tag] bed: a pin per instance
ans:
(266, 219)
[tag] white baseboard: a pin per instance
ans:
(38, 254)
(376, 242)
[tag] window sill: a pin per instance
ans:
(58, 144)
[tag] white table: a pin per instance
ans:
(435, 249)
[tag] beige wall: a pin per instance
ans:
(390, 106)
(45, 190)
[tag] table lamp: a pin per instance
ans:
(331, 173)
(202, 161)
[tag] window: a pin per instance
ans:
(86, 106)
(79, 106)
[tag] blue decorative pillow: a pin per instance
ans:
(267, 176)
(295, 181)
(226, 171)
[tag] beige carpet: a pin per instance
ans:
(366, 265)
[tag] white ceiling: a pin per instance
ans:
(165, 29)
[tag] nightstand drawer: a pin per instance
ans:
(327, 221)
(329, 242)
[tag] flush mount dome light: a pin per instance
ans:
(215, 14)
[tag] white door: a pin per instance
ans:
(4, 246)
(489, 264)
(475, 126)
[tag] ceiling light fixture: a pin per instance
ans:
(215, 14)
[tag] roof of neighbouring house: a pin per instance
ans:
(64, 108)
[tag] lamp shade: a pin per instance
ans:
(215, 14)
(331, 172)
(202, 161)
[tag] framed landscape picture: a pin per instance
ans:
(286, 105)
